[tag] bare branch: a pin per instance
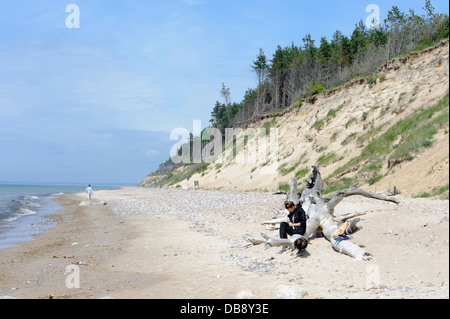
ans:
(347, 216)
(336, 197)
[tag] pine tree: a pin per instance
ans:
(358, 40)
(429, 9)
(225, 93)
(260, 68)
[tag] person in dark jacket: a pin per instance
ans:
(295, 222)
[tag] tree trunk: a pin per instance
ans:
(388, 48)
(320, 217)
(258, 105)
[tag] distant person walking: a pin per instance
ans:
(89, 192)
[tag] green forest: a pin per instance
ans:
(295, 72)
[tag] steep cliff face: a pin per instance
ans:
(375, 132)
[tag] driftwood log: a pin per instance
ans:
(319, 209)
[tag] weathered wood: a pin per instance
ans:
(320, 213)
(345, 217)
(336, 197)
(292, 195)
(273, 221)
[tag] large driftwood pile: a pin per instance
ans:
(319, 209)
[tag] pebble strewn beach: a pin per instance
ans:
(177, 243)
(207, 210)
(388, 232)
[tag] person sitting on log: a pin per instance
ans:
(295, 222)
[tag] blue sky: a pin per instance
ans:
(97, 104)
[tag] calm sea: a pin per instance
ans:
(23, 209)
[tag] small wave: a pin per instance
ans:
(25, 211)
(31, 204)
(21, 213)
(57, 194)
(30, 197)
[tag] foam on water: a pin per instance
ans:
(23, 210)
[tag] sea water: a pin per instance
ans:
(24, 210)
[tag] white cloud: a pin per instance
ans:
(152, 153)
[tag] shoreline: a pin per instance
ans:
(109, 265)
(26, 210)
(33, 269)
(186, 244)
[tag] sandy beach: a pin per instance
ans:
(188, 244)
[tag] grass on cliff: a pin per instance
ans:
(442, 192)
(416, 132)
